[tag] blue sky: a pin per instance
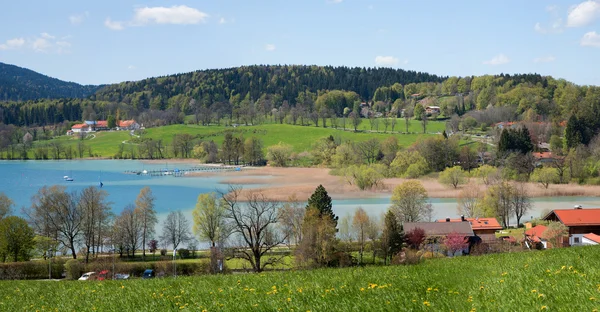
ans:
(94, 42)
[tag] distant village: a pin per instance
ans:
(102, 125)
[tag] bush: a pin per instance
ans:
(163, 252)
(431, 254)
(406, 257)
(183, 253)
(73, 269)
(30, 270)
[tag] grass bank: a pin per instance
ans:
(560, 280)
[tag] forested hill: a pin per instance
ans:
(215, 85)
(21, 84)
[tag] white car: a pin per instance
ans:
(87, 276)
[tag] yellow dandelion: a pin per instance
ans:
(501, 281)
(371, 285)
(504, 274)
(533, 291)
(481, 287)
(543, 308)
(122, 286)
(540, 295)
(362, 289)
(592, 298)
(387, 302)
(426, 303)
(289, 299)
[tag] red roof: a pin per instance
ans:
(479, 223)
(593, 237)
(536, 232)
(79, 126)
(101, 123)
(576, 217)
(126, 123)
(542, 155)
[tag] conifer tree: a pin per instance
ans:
(322, 201)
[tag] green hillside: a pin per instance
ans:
(552, 280)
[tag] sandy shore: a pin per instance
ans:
(280, 183)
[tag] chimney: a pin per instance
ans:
(448, 219)
(462, 218)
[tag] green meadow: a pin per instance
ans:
(553, 280)
(106, 143)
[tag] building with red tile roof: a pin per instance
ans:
(128, 125)
(579, 221)
(534, 237)
(485, 228)
(80, 128)
(590, 239)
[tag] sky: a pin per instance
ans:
(100, 42)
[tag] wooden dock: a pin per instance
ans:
(176, 172)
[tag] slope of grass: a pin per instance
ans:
(106, 144)
(553, 280)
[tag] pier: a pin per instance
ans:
(176, 172)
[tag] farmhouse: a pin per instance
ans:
(534, 237)
(440, 228)
(80, 128)
(485, 228)
(430, 110)
(97, 125)
(579, 221)
(128, 125)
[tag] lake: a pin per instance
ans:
(20, 180)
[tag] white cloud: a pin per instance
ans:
(386, 60)
(14, 43)
(41, 44)
(269, 47)
(179, 15)
(131, 67)
(544, 59)
(591, 39)
(77, 19)
(222, 20)
(114, 25)
(46, 35)
(498, 60)
(583, 13)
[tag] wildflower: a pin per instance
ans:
(429, 289)
(289, 299)
(299, 290)
(426, 303)
(504, 274)
(371, 285)
(387, 302)
(481, 287)
(592, 298)
(501, 281)
(362, 289)
(122, 286)
(543, 308)
(533, 291)
(540, 295)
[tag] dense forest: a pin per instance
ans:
(21, 84)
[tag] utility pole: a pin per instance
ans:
(174, 263)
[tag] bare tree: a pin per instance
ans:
(291, 217)
(393, 123)
(254, 221)
(356, 120)
(469, 202)
(132, 228)
(144, 209)
(95, 213)
(56, 214)
(386, 124)
(360, 222)
(176, 229)
(521, 203)
(408, 113)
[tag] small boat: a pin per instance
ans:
(144, 171)
(65, 177)
(68, 179)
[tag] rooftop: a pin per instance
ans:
(593, 237)
(576, 217)
(440, 228)
(479, 223)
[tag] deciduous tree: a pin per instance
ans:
(452, 176)
(144, 209)
(360, 222)
(209, 219)
(176, 229)
(409, 201)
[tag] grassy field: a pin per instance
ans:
(106, 144)
(553, 280)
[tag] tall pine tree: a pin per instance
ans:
(392, 236)
(573, 132)
(322, 201)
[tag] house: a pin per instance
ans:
(430, 110)
(579, 221)
(78, 128)
(590, 239)
(485, 228)
(506, 124)
(442, 229)
(128, 125)
(534, 237)
(543, 158)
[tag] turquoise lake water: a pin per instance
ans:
(20, 180)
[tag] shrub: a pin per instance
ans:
(183, 253)
(406, 257)
(73, 269)
(163, 252)
(431, 255)
(30, 270)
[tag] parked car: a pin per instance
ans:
(121, 276)
(149, 274)
(87, 276)
(102, 275)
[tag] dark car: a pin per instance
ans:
(149, 274)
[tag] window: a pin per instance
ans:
(576, 240)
